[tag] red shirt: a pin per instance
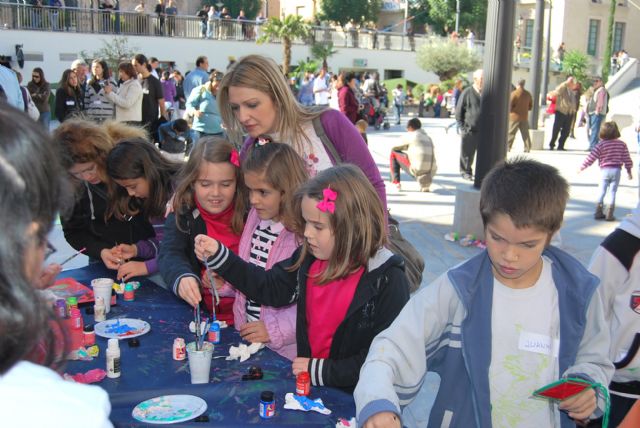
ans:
(327, 306)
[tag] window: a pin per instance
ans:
(393, 74)
(618, 36)
(528, 33)
(594, 35)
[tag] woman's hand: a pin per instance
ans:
(300, 365)
(126, 251)
(254, 332)
(48, 276)
(130, 269)
(189, 290)
(205, 246)
(110, 260)
(581, 405)
(383, 420)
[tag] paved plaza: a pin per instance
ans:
(426, 217)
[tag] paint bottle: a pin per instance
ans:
(76, 319)
(214, 333)
(89, 336)
(267, 405)
(129, 293)
(99, 310)
(303, 383)
(61, 308)
(179, 349)
(113, 359)
(72, 302)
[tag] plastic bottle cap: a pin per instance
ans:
(266, 396)
(128, 287)
(72, 300)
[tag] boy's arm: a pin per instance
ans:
(276, 287)
(344, 372)
(592, 361)
(397, 357)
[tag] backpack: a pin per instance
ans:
(413, 260)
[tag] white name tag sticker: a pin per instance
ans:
(538, 343)
(71, 103)
(97, 102)
(145, 91)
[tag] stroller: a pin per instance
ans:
(374, 113)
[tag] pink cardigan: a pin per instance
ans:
(280, 322)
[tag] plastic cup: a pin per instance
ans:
(102, 288)
(200, 362)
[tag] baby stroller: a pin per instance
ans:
(374, 113)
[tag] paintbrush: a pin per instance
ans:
(215, 297)
(197, 325)
(73, 256)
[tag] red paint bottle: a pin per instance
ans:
(303, 384)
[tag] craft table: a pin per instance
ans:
(149, 370)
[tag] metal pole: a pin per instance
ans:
(458, 17)
(547, 58)
(406, 15)
(536, 57)
(494, 107)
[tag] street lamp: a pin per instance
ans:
(457, 16)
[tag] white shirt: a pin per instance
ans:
(33, 395)
(525, 331)
(321, 90)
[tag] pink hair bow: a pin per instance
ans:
(235, 158)
(327, 204)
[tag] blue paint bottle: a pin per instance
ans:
(267, 405)
(214, 333)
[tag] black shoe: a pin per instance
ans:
(562, 149)
(551, 147)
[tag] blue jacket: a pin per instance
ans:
(450, 322)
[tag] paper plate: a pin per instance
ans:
(169, 409)
(122, 328)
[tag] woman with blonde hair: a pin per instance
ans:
(254, 98)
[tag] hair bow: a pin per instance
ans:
(328, 201)
(235, 158)
(262, 140)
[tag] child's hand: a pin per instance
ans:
(300, 365)
(126, 251)
(383, 420)
(189, 290)
(110, 260)
(219, 281)
(205, 246)
(255, 332)
(581, 405)
(169, 207)
(130, 269)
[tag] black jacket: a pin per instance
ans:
(177, 258)
(381, 293)
(468, 110)
(86, 227)
(67, 105)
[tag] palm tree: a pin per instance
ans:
(287, 29)
(323, 51)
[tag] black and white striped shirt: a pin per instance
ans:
(261, 243)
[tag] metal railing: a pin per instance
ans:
(20, 16)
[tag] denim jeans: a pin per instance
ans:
(610, 178)
(44, 119)
(595, 120)
(399, 110)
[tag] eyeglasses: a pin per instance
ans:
(87, 171)
(49, 250)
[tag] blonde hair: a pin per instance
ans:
(283, 169)
(358, 223)
(263, 74)
(119, 131)
(213, 150)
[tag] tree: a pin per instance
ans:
(576, 64)
(114, 51)
(343, 11)
(606, 63)
(323, 51)
(441, 14)
(251, 7)
(446, 59)
(287, 29)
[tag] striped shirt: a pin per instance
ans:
(261, 243)
(610, 154)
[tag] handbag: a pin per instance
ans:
(413, 260)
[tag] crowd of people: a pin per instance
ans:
(283, 200)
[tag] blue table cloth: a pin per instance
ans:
(149, 370)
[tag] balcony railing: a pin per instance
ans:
(20, 16)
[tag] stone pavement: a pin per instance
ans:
(426, 217)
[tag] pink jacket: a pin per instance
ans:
(280, 322)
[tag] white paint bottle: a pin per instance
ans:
(113, 359)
